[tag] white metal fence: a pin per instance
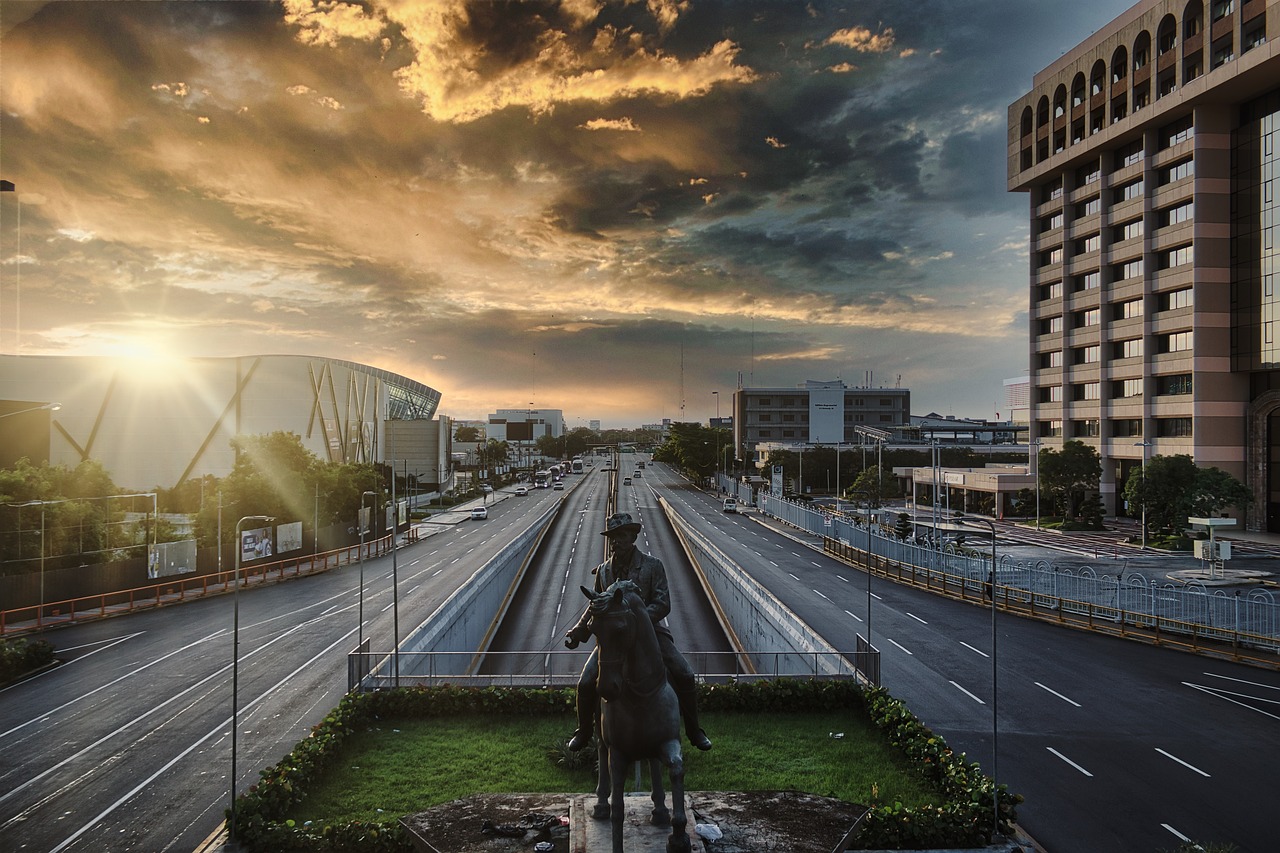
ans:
(1248, 619)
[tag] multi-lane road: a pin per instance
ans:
(1117, 747)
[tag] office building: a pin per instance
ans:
(1149, 153)
(525, 424)
(814, 413)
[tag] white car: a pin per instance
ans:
(558, 487)
(479, 513)
(731, 505)
(522, 490)
(486, 488)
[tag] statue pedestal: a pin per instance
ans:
(588, 835)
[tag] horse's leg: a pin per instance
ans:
(601, 809)
(618, 807)
(660, 815)
(678, 842)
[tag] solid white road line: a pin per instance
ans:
(1069, 761)
(967, 693)
(904, 648)
(1056, 693)
(1183, 763)
(917, 618)
(859, 618)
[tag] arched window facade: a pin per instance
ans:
(1027, 122)
(1192, 19)
(1042, 112)
(1060, 102)
(1098, 79)
(1166, 35)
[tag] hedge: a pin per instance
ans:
(964, 821)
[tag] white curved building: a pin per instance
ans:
(158, 425)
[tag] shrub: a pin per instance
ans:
(21, 656)
(962, 821)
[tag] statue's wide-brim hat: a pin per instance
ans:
(620, 522)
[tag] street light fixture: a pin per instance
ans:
(51, 407)
(235, 657)
(995, 729)
(1144, 444)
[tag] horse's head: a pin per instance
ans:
(613, 622)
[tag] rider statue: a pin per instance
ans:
(646, 571)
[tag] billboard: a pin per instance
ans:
(256, 544)
(775, 483)
(289, 537)
(519, 430)
(171, 558)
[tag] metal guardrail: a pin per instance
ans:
(174, 589)
(1130, 600)
(561, 667)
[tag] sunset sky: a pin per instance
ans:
(581, 205)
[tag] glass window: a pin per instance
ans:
(1051, 394)
(1086, 391)
(1131, 348)
(1177, 171)
(1128, 191)
(1126, 428)
(1173, 427)
(1127, 231)
(1090, 243)
(1088, 317)
(1050, 291)
(1088, 174)
(1089, 207)
(1051, 359)
(1175, 299)
(1174, 385)
(1053, 256)
(1123, 388)
(1051, 222)
(1127, 269)
(1176, 342)
(1182, 212)
(1088, 281)
(1088, 428)
(1127, 310)
(1176, 132)
(1130, 154)
(1091, 354)
(1177, 257)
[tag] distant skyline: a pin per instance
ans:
(604, 208)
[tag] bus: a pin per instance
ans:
(542, 480)
(577, 465)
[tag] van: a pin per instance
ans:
(730, 505)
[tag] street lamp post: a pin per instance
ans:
(1144, 444)
(716, 394)
(1035, 443)
(867, 497)
(995, 728)
(360, 524)
(235, 658)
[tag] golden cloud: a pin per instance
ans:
(863, 40)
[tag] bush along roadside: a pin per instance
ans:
(21, 656)
(963, 821)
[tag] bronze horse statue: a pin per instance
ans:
(639, 711)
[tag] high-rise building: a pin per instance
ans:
(525, 424)
(1151, 157)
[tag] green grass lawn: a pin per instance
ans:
(407, 766)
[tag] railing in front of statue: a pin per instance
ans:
(376, 670)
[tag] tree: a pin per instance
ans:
(691, 447)
(878, 483)
(1174, 489)
(1069, 475)
(468, 433)
(902, 526)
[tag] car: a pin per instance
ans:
(479, 513)
(639, 474)
(522, 490)
(626, 481)
(486, 488)
(558, 487)
(730, 505)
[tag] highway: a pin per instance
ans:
(1117, 746)
(126, 746)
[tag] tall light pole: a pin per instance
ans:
(995, 728)
(360, 524)
(1144, 444)
(867, 497)
(716, 394)
(1035, 443)
(235, 657)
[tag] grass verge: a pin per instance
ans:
(271, 816)
(414, 764)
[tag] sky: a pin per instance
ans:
(610, 208)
